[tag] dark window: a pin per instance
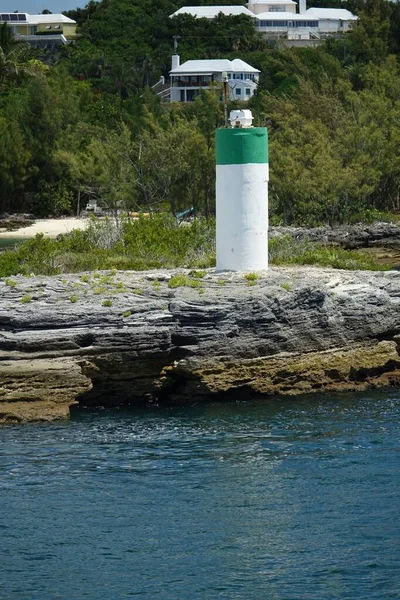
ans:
(21, 17)
(273, 23)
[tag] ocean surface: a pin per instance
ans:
(10, 243)
(269, 500)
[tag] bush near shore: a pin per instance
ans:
(159, 242)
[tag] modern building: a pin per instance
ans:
(41, 30)
(279, 19)
(194, 75)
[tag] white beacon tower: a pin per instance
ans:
(242, 195)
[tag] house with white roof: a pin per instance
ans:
(332, 20)
(279, 19)
(188, 79)
(41, 30)
(288, 25)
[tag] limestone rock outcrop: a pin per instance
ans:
(111, 339)
(377, 234)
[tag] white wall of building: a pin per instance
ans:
(240, 90)
(272, 6)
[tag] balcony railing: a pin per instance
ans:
(190, 84)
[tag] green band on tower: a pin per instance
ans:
(242, 146)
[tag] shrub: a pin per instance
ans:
(181, 280)
(176, 281)
(286, 250)
(198, 274)
(251, 276)
(10, 282)
(158, 242)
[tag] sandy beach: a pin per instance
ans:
(49, 227)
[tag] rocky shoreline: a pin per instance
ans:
(111, 339)
(350, 237)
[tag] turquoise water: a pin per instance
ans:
(10, 242)
(276, 500)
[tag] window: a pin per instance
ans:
(48, 27)
(277, 8)
(57, 26)
(247, 91)
(238, 92)
(273, 23)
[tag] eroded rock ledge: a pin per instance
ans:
(125, 338)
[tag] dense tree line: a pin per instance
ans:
(87, 124)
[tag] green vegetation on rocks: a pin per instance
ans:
(158, 242)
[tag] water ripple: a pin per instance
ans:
(283, 499)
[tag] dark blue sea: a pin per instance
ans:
(294, 499)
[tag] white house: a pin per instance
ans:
(279, 19)
(331, 20)
(289, 25)
(41, 30)
(194, 75)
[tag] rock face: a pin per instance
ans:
(126, 338)
(376, 234)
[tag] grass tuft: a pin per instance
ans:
(286, 286)
(251, 277)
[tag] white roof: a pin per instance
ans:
(210, 12)
(285, 16)
(340, 14)
(214, 65)
(46, 19)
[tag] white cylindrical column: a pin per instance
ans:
(242, 199)
(175, 61)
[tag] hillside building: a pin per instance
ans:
(41, 30)
(194, 75)
(279, 19)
